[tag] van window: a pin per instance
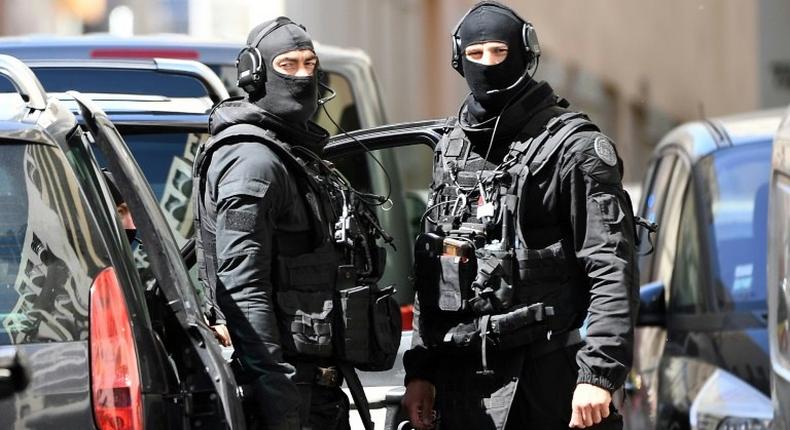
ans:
(50, 248)
(735, 197)
(114, 81)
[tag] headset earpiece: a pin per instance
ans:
(528, 34)
(250, 66)
(531, 44)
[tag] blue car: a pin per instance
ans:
(702, 356)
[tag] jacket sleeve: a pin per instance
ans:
(249, 182)
(419, 361)
(602, 224)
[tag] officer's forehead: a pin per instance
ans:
(306, 53)
(488, 23)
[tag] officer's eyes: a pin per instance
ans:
(474, 53)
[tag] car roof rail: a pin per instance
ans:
(216, 89)
(25, 81)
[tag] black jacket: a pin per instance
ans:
(251, 211)
(582, 193)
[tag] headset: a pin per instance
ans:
(528, 35)
(250, 67)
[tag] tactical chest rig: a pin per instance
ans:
(476, 280)
(327, 298)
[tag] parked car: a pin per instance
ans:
(778, 282)
(702, 347)
(105, 349)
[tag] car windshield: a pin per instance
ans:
(736, 195)
(47, 261)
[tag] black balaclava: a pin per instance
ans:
(493, 22)
(291, 98)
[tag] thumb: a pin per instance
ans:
(427, 410)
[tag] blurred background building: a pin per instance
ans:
(637, 67)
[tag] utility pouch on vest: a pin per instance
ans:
(355, 303)
(444, 270)
(521, 326)
(371, 327)
(307, 315)
(495, 281)
(386, 330)
(305, 300)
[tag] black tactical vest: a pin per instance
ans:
(475, 276)
(330, 306)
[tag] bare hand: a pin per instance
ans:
(590, 406)
(221, 334)
(418, 402)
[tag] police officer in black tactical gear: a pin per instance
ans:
(528, 233)
(286, 252)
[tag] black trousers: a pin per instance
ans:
(518, 393)
(319, 408)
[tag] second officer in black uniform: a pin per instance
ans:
(276, 225)
(529, 232)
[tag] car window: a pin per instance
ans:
(667, 237)
(166, 161)
(685, 294)
(653, 202)
(115, 81)
(50, 248)
(781, 259)
(735, 184)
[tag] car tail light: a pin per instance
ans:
(115, 375)
(406, 316)
(180, 54)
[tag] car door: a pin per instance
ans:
(642, 384)
(213, 377)
(385, 389)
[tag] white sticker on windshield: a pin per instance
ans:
(742, 270)
(742, 286)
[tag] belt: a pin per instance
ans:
(553, 343)
(322, 373)
(328, 376)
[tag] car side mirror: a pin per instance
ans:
(13, 375)
(652, 306)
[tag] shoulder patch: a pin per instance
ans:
(605, 151)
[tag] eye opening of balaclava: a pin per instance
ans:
(292, 98)
(486, 23)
